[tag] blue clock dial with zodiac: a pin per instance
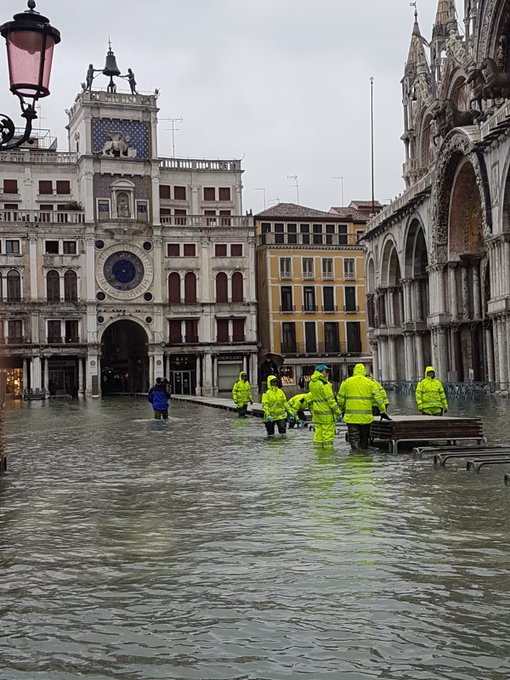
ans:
(123, 270)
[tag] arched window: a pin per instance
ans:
(53, 286)
(221, 287)
(70, 286)
(237, 287)
(13, 286)
(174, 288)
(190, 288)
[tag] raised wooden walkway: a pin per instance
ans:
(226, 404)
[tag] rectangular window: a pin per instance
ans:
(309, 299)
(285, 268)
(350, 299)
(278, 233)
(191, 326)
(330, 234)
(288, 338)
(12, 246)
(10, 186)
(292, 233)
(180, 193)
(328, 298)
(46, 210)
(343, 238)
(189, 250)
(349, 269)
(331, 343)
(286, 299)
(307, 264)
(220, 250)
(103, 209)
(54, 332)
(224, 193)
(45, 186)
(221, 330)
(164, 191)
(175, 332)
(51, 247)
(63, 186)
(14, 331)
(317, 234)
(305, 233)
(236, 250)
(172, 250)
(359, 235)
(209, 193)
(69, 247)
(353, 336)
(238, 330)
(310, 337)
(210, 219)
(327, 267)
(71, 334)
(226, 219)
(180, 216)
(141, 209)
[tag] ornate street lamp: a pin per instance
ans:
(30, 41)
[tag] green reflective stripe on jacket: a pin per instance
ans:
(274, 404)
(241, 392)
(323, 405)
(356, 397)
(430, 396)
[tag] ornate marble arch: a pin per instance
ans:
(390, 264)
(491, 13)
(456, 148)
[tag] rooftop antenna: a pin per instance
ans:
(415, 5)
(263, 189)
(173, 130)
(372, 139)
(296, 185)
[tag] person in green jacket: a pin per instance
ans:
(323, 406)
(356, 397)
(430, 395)
(241, 394)
(275, 407)
(298, 404)
(383, 394)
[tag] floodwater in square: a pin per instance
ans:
(197, 549)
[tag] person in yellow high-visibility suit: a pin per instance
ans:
(275, 407)
(323, 406)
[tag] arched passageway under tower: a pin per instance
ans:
(124, 359)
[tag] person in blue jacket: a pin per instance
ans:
(158, 397)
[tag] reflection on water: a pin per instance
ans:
(195, 548)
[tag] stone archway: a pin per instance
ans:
(124, 359)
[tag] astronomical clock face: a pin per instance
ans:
(124, 274)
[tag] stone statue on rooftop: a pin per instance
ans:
(131, 80)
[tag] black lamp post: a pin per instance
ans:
(30, 41)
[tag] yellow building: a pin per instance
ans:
(311, 288)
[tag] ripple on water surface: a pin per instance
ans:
(195, 548)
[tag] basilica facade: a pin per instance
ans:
(118, 266)
(438, 257)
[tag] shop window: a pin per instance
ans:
(174, 288)
(63, 186)
(221, 287)
(221, 330)
(224, 193)
(190, 288)
(70, 286)
(53, 286)
(180, 193)
(237, 287)
(45, 186)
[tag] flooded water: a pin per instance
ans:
(197, 549)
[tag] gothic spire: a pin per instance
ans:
(446, 19)
(416, 56)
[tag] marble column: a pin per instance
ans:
(452, 290)
(489, 350)
(476, 291)
(46, 384)
(495, 338)
(409, 355)
(207, 388)
(407, 284)
(443, 353)
(393, 357)
(81, 388)
(198, 374)
(502, 350)
(36, 376)
(25, 375)
(507, 341)
(420, 367)
(465, 292)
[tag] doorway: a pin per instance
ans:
(124, 359)
(181, 382)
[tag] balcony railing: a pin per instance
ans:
(200, 221)
(43, 216)
(59, 340)
(333, 348)
(199, 164)
(16, 340)
(348, 309)
(310, 309)
(287, 309)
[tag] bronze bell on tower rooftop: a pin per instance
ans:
(111, 68)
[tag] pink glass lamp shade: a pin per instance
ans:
(30, 41)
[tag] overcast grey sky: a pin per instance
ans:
(282, 84)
